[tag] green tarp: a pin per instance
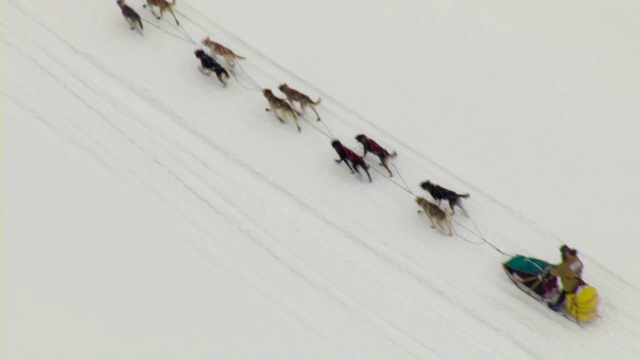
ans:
(525, 264)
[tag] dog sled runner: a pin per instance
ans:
(532, 276)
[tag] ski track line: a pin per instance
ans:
(533, 226)
(89, 59)
(358, 116)
(133, 143)
(114, 126)
(298, 316)
(513, 212)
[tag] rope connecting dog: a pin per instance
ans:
(328, 133)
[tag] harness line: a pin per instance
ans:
(401, 178)
(330, 135)
(315, 127)
(163, 30)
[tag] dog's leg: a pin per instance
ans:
(230, 60)
(459, 204)
(154, 13)
(293, 106)
(348, 165)
(204, 71)
(384, 163)
(368, 175)
(433, 224)
(174, 15)
(220, 77)
(292, 101)
(447, 222)
(355, 167)
(275, 111)
(364, 166)
(138, 25)
(292, 112)
(452, 205)
(315, 111)
(295, 119)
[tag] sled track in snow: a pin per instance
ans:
(198, 185)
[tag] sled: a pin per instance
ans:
(531, 276)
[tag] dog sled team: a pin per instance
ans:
(534, 276)
(285, 108)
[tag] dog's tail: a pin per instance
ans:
(464, 195)
(392, 154)
(317, 101)
(238, 56)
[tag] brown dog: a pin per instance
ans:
(304, 100)
(218, 49)
(276, 104)
(162, 5)
(436, 215)
(132, 17)
(371, 146)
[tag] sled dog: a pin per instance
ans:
(371, 146)
(439, 193)
(132, 17)
(218, 49)
(208, 64)
(294, 95)
(162, 5)
(276, 104)
(436, 215)
(347, 155)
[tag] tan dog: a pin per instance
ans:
(275, 103)
(295, 95)
(162, 5)
(436, 215)
(218, 49)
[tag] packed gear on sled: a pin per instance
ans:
(535, 277)
(531, 275)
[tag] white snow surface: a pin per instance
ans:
(150, 213)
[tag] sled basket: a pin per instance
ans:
(530, 275)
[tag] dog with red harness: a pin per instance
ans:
(347, 155)
(373, 147)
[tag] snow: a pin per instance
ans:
(148, 212)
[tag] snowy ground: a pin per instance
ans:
(148, 212)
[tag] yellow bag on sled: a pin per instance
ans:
(582, 305)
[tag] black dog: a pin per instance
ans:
(208, 63)
(131, 16)
(439, 193)
(347, 155)
(371, 146)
